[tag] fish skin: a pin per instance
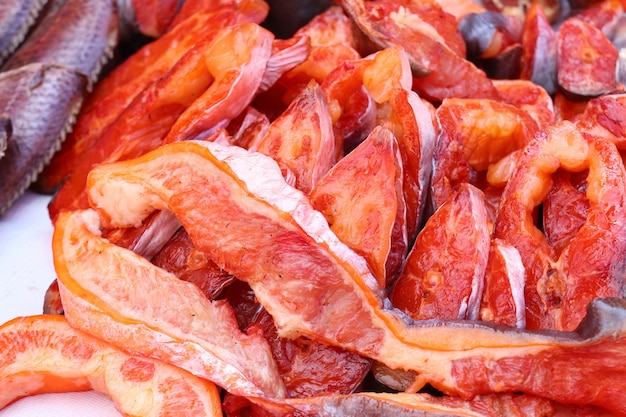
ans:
(6, 130)
(16, 18)
(41, 103)
(80, 35)
(43, 83)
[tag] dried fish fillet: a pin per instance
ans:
(229, 200)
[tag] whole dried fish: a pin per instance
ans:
(43, 83)
(16, 18)
(80, 34)
(40, 103)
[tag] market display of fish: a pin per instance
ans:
(274, 208)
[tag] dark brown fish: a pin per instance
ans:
(40, 102)
(16, 18)
(80, 35)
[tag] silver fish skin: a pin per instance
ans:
(41, 102)
(80, 35)
(16, 18)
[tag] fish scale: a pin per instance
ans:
(80, 35)
(16, 18)
(42, 84)
(36, 90)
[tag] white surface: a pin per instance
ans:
(26, 271)
(78, 404)
(25, 257)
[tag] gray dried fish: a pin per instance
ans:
(80, 34)
(40, 102)
(16, 18)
